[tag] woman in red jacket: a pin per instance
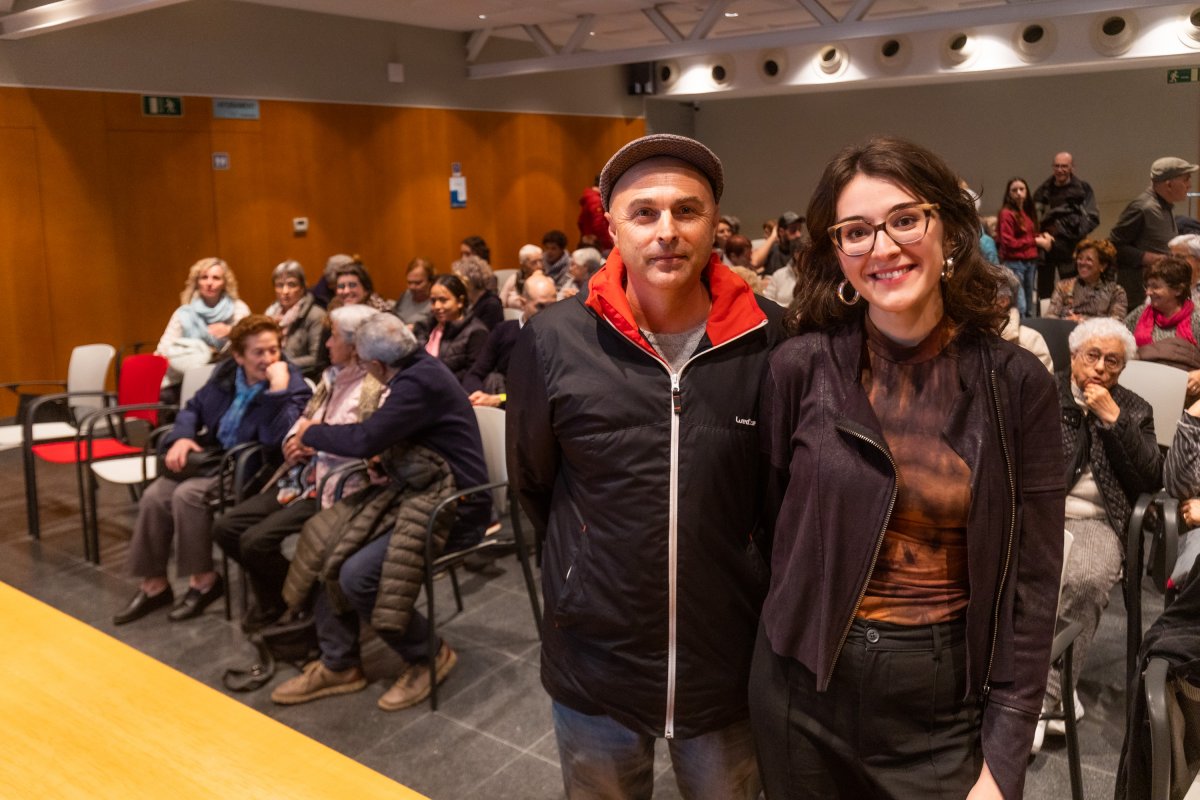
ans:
(1020, 240)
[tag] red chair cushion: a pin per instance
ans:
(64, 452)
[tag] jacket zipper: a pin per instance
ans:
(1012, 525)
(862, 592)
(673, 514)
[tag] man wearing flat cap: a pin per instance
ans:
(634, 450)
(1147, 224)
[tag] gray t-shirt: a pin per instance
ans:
(676, 348)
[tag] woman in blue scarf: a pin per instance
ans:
(199, 329)
(253, 397)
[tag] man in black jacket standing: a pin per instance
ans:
(633, 448)
(1067, 211)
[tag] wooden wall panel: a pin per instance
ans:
(112, 207)
(29, 345)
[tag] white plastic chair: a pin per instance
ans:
(1164, 388)
(502, 276)
(87, 373)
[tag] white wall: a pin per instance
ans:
(224, 48)
(1114, 123)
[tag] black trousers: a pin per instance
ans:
(252, 534)
(893, 723)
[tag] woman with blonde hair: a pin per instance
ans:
(199, 328)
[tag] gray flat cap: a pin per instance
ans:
(1164, 169)
(662, 144)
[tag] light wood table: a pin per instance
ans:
(85, 716)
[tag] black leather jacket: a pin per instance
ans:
(835, 481)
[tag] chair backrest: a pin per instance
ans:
(140, 382)
(1055, 332)
(88, 372)
(193, 379)
(502, 276)
(513, 313)
(1164, 388)
(1068, 540)
(491, 430)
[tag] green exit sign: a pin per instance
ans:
(162, 106)
(1184, 75)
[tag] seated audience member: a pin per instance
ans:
(1181, 477)
(726, 226)
(737, 251)
(1013, 331)
(199, 328)
(476, 246)
(1093, 291)
(486, 382)
(449, 333)
(781, 284)
(775, 252)
(592, 224)
(554, 256)
(413, 305)
(752, 278)
(354, 285)
(299, 316)
(585, 262)
(1187, 247)
(326, 289)
(987, 239)
(1111, 457)
(482, 301)
(253, 397)
(425, 407)
(1167, 326)
(252, 532)
(529, 261)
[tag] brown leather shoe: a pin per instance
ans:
(316, 681)
(413, 684)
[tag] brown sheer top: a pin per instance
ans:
(920, 577)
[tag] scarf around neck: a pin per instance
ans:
(1181, 321)
(231, 420)
(198, 315)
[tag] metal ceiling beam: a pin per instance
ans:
(709, 19)
(71, 13)
(476, 42)
(863, 29)
(538, 37)
(858, 10)
(819, 12)
(579, 36)
(663, 24)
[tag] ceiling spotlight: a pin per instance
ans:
(1114, 34)
(832, 60)
(730, 14)
(483, 16)
(1034, 41)
(1189, 31)
(958, 49)
(722, 70)
(772, 64)
(893, 54)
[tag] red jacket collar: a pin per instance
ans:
(734, 310)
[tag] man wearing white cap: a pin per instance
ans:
(1148, 224)
(633, 446)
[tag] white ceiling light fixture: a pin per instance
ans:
(1034, 41)
(722, 70)
(893, 54)
(773, 65)
(1114, 34)
(667, 73)
(958, 49)
(1189, 30)
(831, 60)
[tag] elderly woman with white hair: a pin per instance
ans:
(1112, 456)
(297, 312)
(529, 260)
(482, 301)
(199, 328)
(252, 533)
(584, 263)
(425, 406)
(1187, 247)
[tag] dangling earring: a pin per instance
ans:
(948, 268)
(841, 293)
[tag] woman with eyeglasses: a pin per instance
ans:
(916, 499)
(1094, 291)
(1167, 326)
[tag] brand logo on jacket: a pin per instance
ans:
(745, 421)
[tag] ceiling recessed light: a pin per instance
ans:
(483, 16)
(731, 14)
(591, 33)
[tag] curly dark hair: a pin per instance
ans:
(252, 326)
(969, 295)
